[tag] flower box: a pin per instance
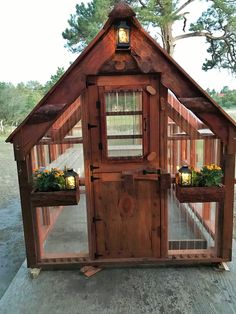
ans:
(55, 198)
(195, 194)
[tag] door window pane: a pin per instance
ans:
(124, 127)
(124, 148)
(123, 101)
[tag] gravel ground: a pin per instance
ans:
(12, 250)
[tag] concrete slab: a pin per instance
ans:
(201, 289)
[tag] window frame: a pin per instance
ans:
(145, 123)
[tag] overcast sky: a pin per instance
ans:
(32, 46)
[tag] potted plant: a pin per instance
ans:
(206, 186)
(49, 180)
(51, 188)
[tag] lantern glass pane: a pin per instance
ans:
(186, 178)
(123, 35)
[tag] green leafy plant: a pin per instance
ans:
(49, 180)
(209, 175)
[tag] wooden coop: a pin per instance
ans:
(124, 116)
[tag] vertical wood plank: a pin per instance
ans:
(163, 165)
(87, 162)
(154, 121)
(193, 153)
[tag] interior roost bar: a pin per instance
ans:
(125, 116)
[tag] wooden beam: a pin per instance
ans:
(176, 116)
(188, 137)
(198, 104)
(66, 121)
(72, 119)
(65, 140)
(182, 257)
(217, 124)
(46, 113)
(205, 111)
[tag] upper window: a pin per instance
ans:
(124, 124)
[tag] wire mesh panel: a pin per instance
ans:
(192, 226)
(62, 230)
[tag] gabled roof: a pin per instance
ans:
(149, 56)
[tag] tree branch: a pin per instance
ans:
(198, 34)
(160, 5)
(185, 22)
(142, 3)
(183, 6)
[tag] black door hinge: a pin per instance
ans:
(100, 146)
(95, 219)
(96, 255)
(92, 178)
(90, 126)
(98, 104)
(93, 167)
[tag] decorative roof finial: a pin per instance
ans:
(121, 11)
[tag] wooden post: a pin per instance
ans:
(175, 160)
(229, 172)
(24, 171)
(163, 165)
(88, 98)
(52, 152)
(208, 158)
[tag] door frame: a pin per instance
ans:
(158, 125)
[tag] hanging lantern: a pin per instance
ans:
(185, 176)
(70, 179)
(123, 35)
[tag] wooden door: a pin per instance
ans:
(128, 218)
(124, 162)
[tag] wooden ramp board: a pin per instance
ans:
(89, 271)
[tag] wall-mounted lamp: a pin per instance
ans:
(123, 35)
